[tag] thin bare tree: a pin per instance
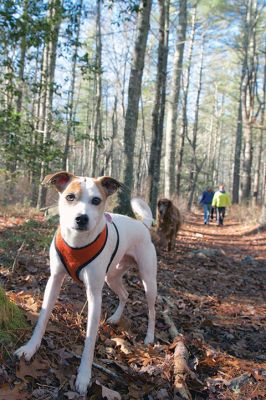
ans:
(195, 166)
(186, 82)
(71, 94)
(158, 110)
(134, 93)
(46, 100)
(98, 137)
(172, 113)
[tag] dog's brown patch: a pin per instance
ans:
(169, 222)
(74, 187)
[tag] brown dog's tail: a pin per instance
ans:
(141, 208)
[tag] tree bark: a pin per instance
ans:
(263, 209)
(134, 92)
(249, 96)
(158, 111)
(171, 127)
(114, 171)
(50, 52)
(142, 161)
(98, 138)
(194, 168)
(238, 146)
(257, 177)
(109, 159)
(211, 142)
(247, 162)
(184, 130)
(23, 49)
(70, 105)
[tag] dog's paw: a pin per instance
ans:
(27, 351)
(83, 382)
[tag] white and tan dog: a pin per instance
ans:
(118, 240)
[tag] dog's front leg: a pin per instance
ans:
(50, 296)
(94, 314)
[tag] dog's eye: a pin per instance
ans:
(70, 197)
(96, 201)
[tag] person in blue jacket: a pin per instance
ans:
(206, 201)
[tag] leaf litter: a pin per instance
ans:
(210, 315)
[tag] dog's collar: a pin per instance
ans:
(75, 259)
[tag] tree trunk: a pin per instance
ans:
(256, 185)
(184, 130)
(194, 168)
(261, 135)
(109, 159)
(238, 146)
(23, 49)
(249, 96)
(247, 162)
(134, 92)
(159, 106)
(171, 127)
(263, 210)
(70, 105)
(139, 170)
(211, 142)
(113, 155)
(98, 139)
(12, 164)
(142, 162)
(40, 117)
(55, 16)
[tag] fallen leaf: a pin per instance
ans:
(239, 380)
(6, 393)
(162, 395)
(34, 369)
(71, 395)
(123, 344)
(64, 356)
(109, 394)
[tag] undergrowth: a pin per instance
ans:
(34, 235)
(18, 210)
(246, 215)
(11, 319)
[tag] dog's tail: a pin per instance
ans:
(141, 208)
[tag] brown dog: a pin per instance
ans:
(169, 222)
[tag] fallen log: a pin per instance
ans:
(181, 369)
(180, 358)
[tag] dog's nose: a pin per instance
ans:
(82, 220)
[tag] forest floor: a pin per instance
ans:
(212, 285)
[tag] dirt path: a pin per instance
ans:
(213, 283)
(235, 239)
(218, 284)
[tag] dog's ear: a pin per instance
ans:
(60, 180)
(109, 185)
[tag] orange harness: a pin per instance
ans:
(75, 259)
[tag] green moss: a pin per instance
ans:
(11, 318)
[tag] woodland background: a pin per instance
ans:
(166, 96)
